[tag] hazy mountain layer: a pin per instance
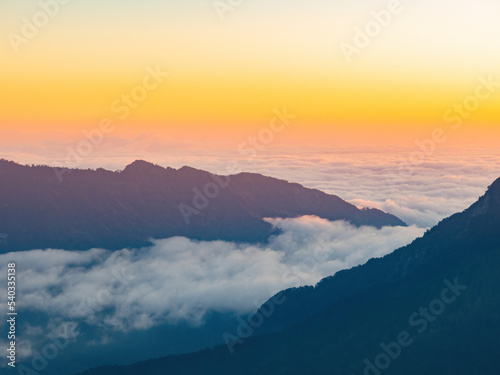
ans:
(43, 207)
(430, 307)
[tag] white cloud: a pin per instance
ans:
(447, 181)
(178, 279)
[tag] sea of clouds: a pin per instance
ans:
(420, 188)
(420, 191)
(178, 279)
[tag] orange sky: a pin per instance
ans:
(228, 76)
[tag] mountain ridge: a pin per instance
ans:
(46, 207)
(429, 239)
(350, 329)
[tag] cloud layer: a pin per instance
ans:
(178, 279)
(422, 192)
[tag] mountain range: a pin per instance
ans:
(430, 307)
(74, 209)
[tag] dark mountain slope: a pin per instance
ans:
(358, 310)
(478, 226)
(43, 207)
(266, 197)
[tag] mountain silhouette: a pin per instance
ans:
(430, 307)
(44, 207)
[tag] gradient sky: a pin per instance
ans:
(228, 76)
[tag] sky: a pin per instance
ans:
(230, 67)
(388, 104)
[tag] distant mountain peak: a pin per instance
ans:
(494, 189)
(141, 164)
(149, 201)
(489, 203)
(142, 167)
(189, 169)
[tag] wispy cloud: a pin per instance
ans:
(178, 279)
(441, 184)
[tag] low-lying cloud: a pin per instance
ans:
(180, 280)
(440, 184)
